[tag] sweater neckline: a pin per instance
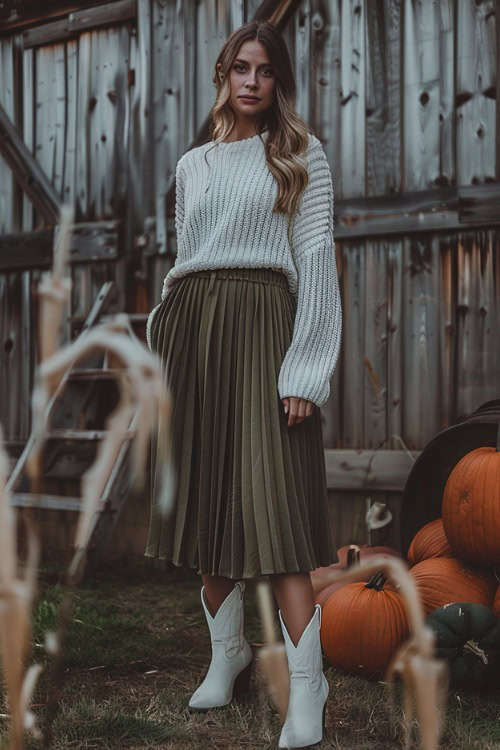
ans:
(242, 142)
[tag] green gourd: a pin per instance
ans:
(468, 638)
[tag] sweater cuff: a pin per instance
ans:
(312, 356)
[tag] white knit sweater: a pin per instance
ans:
(224, 219)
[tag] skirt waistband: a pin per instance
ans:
(263, 275)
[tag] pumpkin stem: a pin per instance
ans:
(353, 555)
(472, 646)
(376, 581)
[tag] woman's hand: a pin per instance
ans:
(297, 408)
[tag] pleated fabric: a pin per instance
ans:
(251, 496)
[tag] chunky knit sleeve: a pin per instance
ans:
(310, 360)
(179, 219)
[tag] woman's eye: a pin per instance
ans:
(240, 68)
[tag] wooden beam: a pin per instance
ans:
(15, 15)
(49, 502)
(76, 22)
(451, 209)
(27, 170)
(90, 241)
(373, 471)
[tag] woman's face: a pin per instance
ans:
(251, 73)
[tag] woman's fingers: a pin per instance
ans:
(298, 409)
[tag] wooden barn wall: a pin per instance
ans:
(403, 95)
(391, 88)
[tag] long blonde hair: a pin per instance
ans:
(288, 133)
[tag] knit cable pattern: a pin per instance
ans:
(224, 219)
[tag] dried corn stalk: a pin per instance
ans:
(272, 656)
(16, 599)
(143, 399)
(17, 592)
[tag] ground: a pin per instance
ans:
(137, 648)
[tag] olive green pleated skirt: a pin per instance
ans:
(250, 492)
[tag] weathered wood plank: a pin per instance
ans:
(167, 53)
(394, 344)
(26, 361)
(478, 320)
(49, 121)
(413, 212)
(497, 129)
(323, 30)
(17, 119)
(29, 13)
(102, 121)
(89, 242)
(70, 145)
(83, 103)
(28, 131)
(121, 186)
(91, 18)
(375, 349)
(7, 103)
(476, 91)
(420, 360)
(11, 361)
(140, 130)
(352, 163)
(353, 346)
(305, 61)
(447, 250)
(48, 502)
(479, 204)
(378, 470)
(447, 171)
(383, 109)
(421, 95)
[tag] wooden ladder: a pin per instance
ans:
(76, 413)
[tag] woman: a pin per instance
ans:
(248, 331)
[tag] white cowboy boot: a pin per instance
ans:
(305, 718)
(229, 671)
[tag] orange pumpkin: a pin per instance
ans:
(362, 625)
(324, 595)
(443, 580)
(471, 507)
(430, 541)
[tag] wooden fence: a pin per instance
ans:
(403, 95)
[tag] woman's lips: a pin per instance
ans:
(249, 98)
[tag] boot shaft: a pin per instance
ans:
(306, 657)
(227, 626)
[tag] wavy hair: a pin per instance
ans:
(288, 133)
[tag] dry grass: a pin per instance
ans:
(138, 646)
